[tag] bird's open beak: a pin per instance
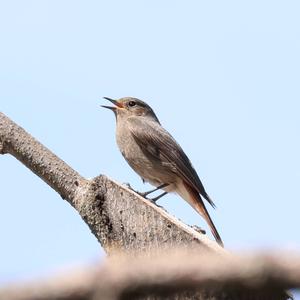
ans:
(115, 102)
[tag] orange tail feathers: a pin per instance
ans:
(197, 203)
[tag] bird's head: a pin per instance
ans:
(128, 107)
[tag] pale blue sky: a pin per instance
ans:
(222, 76)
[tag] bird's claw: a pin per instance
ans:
(145, 194)
(127, 184)
(154, 201)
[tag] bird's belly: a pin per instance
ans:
(149, 168)
(151, 172)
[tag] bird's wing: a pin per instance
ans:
(157, 142)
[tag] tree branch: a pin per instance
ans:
(117, 216)
(40, 160)
(260, 276)
(120, 219)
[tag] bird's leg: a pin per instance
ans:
(154, 190)
(158, 197)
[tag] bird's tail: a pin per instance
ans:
(195, 200)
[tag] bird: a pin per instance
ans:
(156, 157)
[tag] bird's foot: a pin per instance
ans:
(158, 197)
(127, 184)
(154, 201)
(145, 194)
(154, 190)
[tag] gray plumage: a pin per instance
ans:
(155, 155)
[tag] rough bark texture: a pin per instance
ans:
(121, 220)
(169, 275)
(40, 160)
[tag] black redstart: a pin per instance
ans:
(155, 155)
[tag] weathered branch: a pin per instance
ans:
(124, 278)
(120, 219)
(55, 172)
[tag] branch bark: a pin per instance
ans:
(262, 276)
(121, 220)
(55, 172)
(118, 217)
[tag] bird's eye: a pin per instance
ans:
(131, 103)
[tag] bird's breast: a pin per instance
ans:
(150, 169)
